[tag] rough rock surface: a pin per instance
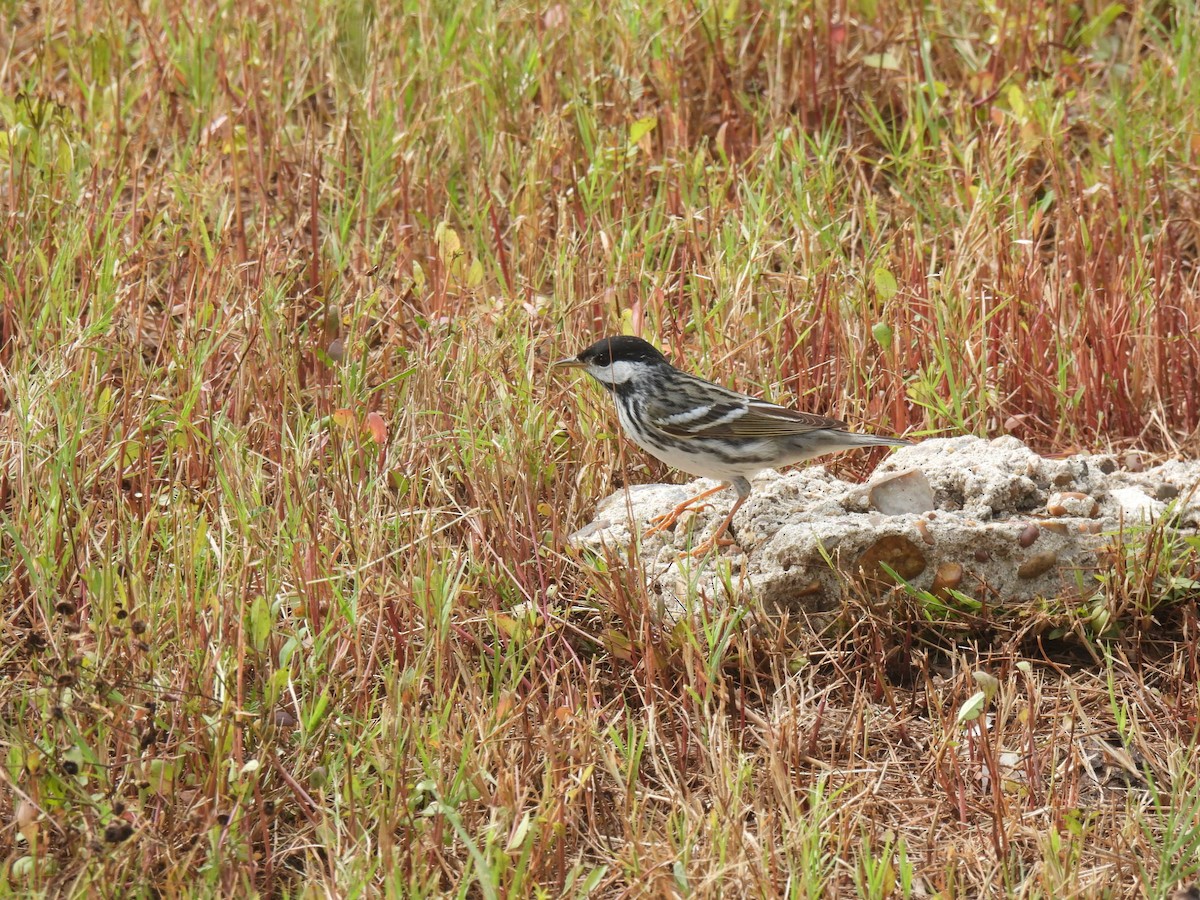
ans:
(991, 519)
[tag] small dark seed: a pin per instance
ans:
(116, 832)
(70, 767)
(282, 718)
(65, 608)
(1028, 535)
(138, 626)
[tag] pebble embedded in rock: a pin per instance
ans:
(1107, 466)
(1166, 492)
(948, 577)
(1055, 527)
(1038, 564)
(926, 536)
(1133, 463)
(808, 590)
(903, 493)
(1029, 534)
(1072, 503)
(982, 555)
(900, 554)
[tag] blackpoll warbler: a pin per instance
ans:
(703, 428)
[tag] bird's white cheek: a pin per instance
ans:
(618, 372)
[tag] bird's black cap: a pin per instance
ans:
(620, 348)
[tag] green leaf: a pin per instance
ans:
(885, 284)
(1099, 24)
(519, 834)
(882, 332)
(448, 243)
(162, 775)
(640, 128)
(593, 880)
(987, 683)
(970, 710)
(627, 321)
(680, 873)
(1016, 102)
(260, 622)
(130, 453)
(886, 60)
(318, 712)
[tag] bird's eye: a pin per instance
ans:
(603, 360)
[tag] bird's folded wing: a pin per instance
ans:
(733, 416)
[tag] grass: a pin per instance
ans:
(285, 487)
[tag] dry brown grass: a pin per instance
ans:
(284, 491)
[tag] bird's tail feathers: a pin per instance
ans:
(853, 439)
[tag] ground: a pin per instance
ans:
(285, 485)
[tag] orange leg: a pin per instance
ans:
(667, 520)
(718, 538)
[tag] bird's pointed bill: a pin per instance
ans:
(570, 362)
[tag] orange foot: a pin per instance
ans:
(718, 538)
(668, 519)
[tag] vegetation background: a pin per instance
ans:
(284, 488)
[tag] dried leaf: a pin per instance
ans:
(377, 427)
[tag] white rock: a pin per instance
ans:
(802, 533)
(1136, 504)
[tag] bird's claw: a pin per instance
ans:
(708, 545)
(668, 519)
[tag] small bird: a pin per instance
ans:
(703, 428)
